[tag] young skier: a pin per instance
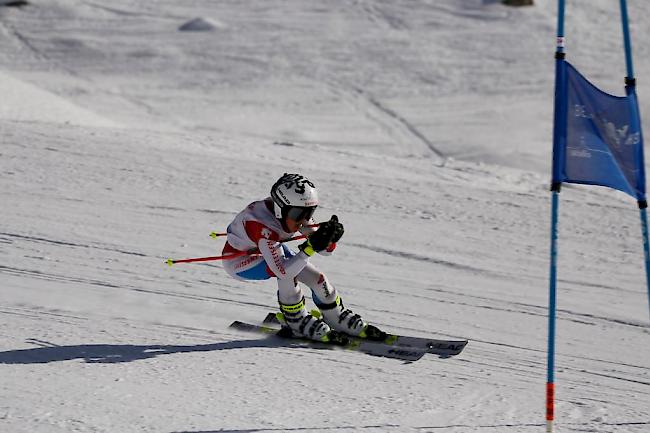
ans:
(262, 226)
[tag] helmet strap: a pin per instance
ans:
(277, 210)
(281, 217)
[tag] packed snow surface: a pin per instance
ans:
(426, 126)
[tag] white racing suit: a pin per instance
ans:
(257, 228)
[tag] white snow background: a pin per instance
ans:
(426, 126)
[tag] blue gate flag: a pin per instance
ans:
(597, 139)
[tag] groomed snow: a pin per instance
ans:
(427, 128)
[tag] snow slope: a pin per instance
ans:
(426, 126)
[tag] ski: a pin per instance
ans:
(442, 348)
(375, 348)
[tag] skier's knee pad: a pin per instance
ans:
(288, 291)
(323, 292)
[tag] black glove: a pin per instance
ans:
(328, 232)
(338, 228)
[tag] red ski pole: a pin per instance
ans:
(206, 259)
(215, 235)
(171, 262)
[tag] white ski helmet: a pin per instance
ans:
(294, 196)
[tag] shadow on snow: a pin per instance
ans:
(271, 429)
(109, 353)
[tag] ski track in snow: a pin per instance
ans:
(404, 134)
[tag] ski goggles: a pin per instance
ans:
(298, 214)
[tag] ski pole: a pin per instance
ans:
(206, 259)
(215, 235)
(171, 262)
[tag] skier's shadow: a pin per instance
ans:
(110, 353)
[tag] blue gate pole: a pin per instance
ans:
(646, 245)
(626, 40)
(630, 85)
(552, 298)
(560, 26)
(559, 131)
